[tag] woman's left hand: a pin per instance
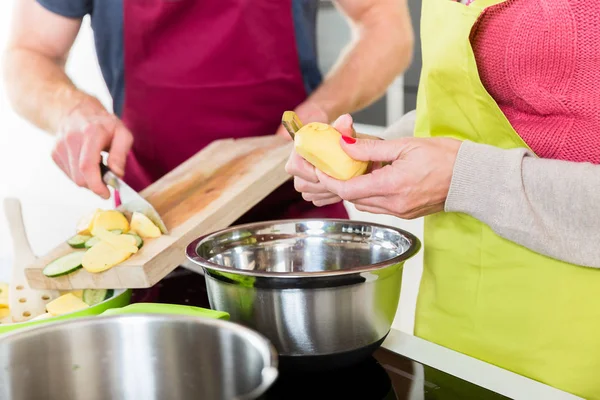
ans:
(415, 183)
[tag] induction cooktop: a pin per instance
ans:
(384, 376)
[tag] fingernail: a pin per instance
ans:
(348, 139)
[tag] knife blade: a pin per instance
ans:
(131, 200)
(291, 122)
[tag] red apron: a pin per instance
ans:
(201, 70)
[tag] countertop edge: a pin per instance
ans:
(470, 369)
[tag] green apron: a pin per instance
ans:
(480, 294)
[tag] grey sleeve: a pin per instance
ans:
(549, 206)
(69, 8)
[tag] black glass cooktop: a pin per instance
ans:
(384, 376)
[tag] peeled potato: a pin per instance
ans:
(65, 304)
(103, 256)
(85, 224)
(143, 226)
(120, 242)
(319, 144)
(110, 220)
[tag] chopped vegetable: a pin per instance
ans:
(138, 240)
(84, 226)
(121, 242)
(3, 295)
(109, 220)
(143, 226)
(65, 264)
(65, 304)
(103, 256)
(91, 242)
(94, 296)
(78, 241)
(42, 316)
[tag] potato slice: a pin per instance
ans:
(143, 226)
(103, 256)
(42, 316)
(65, 304)
(120, 242)
(85, 224)
(4, 312)
(110, 220)
(77, 293)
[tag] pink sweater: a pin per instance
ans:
(540, 60)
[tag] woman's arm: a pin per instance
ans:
(549, 206)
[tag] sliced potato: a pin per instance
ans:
(3, 295)
(77, 293)
(67, 303)
(103, 256)
(85, 224)
(143, 226)
(4, 312)
(42, 316)
(110, 220)
(120, 242)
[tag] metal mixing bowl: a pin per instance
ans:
(134, 357)
(324, 292)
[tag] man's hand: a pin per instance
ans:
(307, 112)
(83, 135)
(414, 184)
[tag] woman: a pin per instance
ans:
(504, 167)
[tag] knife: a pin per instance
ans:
(291, 122)
(131, 200)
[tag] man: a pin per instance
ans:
(183, 73)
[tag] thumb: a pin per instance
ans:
(373, 150)
(344, 125)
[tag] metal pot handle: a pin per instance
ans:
(173, 309)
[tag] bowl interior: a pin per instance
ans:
(305, 246)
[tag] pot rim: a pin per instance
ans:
(270, 356)
(192, 253)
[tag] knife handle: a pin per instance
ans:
(108, 176)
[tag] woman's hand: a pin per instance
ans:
(305, 177)
(83, 135)
(415, 183)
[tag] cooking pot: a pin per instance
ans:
(145, 354)
(325, 292)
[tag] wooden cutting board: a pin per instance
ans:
(208, 192)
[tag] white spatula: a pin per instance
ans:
(25, 303)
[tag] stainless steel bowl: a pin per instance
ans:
(313, 287)
(134, 357)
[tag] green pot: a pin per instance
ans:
(121, 298)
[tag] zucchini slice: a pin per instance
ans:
(92, 241)
(64, 265)
(78, 241)
(94, 296)
(138, 239)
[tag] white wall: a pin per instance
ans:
(52, 204)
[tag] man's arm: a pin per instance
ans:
(382, 49)
(549, 206)
(34, 71)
